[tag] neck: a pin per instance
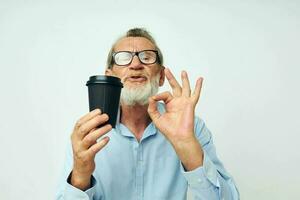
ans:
(136, 118)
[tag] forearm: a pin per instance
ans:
(190, 153)
(211, 180)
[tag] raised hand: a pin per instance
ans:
(177, 123)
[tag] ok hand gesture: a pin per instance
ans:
(177, 123)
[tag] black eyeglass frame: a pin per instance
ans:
(136, 53)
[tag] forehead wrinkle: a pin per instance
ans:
(133, 44)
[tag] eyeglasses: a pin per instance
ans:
(123, 58)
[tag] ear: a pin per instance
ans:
(162, 76)
(108, 72)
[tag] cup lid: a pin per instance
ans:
(104, 79)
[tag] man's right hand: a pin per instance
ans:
(85, 146)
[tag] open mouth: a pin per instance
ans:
(137, 78)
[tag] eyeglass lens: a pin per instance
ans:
(125, 57)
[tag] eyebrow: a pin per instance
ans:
(135, 51)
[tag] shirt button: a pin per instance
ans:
(199, 180)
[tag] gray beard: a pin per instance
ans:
(141, 94)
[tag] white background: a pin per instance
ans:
(247, 51)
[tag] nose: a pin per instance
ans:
(136, 63)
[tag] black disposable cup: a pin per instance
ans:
(104, 93)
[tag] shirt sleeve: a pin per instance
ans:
(65, 191)
(72, 193)
(210, 181)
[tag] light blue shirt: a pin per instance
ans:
(150, 170)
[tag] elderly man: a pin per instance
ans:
(158, 149)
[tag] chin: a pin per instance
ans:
(138, 92)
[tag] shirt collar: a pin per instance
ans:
(123, 130)
(149, 131)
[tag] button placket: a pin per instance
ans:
(139, 172)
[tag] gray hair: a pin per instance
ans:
(134, 32)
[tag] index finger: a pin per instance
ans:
(176, 88)
(87, 117)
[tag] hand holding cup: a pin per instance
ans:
(85, 146)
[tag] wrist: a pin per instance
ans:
(190, 153)
(80, 181)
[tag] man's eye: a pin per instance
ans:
(124, 58)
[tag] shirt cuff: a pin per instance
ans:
(204, 176)
(72, 192)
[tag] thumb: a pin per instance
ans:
(152, 109)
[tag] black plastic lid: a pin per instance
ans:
(104, 79)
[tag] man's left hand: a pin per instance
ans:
(177, 123)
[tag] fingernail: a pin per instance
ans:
(97, 110)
